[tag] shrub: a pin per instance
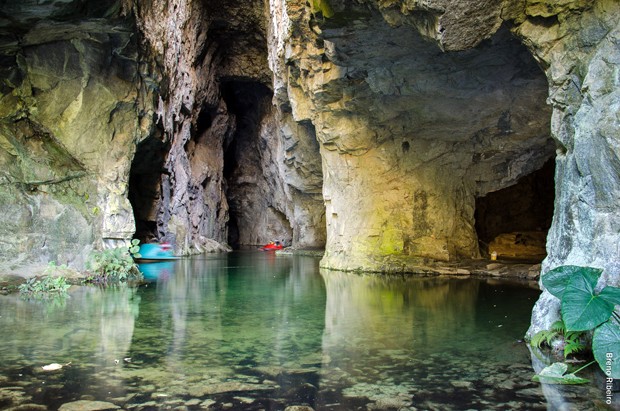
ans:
(115, 264)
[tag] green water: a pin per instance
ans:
(256, 331)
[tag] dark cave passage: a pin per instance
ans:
(254, 189)
(514, 221)
(145, 186)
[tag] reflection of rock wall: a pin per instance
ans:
(70, 110)
(362, 310)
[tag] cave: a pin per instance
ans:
(144, 191)
(514, 222)
(253, 185)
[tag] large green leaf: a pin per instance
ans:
(611, 294)
(606, 348)
(556, 374)
(581, 308)
(556, 280)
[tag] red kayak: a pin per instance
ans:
(272, 246)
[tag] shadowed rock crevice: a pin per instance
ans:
(145, 186)
(253, 180)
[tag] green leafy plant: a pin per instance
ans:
(115, 264)
(44, 287)
(556, 373)
(571, 341)
(584, 310)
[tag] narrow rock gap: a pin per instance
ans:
(252, 183)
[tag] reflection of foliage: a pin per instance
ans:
(571, 340)
(584, 310)
(115, 264)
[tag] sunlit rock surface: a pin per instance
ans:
(410, 135)
(70, 111)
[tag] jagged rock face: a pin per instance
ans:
(221, 141)
(411, 135)
(578, 44)
(70, 110)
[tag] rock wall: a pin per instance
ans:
(223, 141)
(578, 43)
(410, 135)
(72, 105)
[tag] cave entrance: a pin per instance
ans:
(253, 185)
(513, 222)
(145, 186)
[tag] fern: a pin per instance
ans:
(543, 337)
(573, 346)
(572, 339)
(558, 327)
(573, 342)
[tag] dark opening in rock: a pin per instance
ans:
(145, 186)
(254, 186)
(514, 221)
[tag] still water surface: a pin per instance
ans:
(252, 331)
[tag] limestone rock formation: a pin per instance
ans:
(578, 45)
(227, 165)
(373, 128)
(410, 135)
(422, 106)
(71, 107)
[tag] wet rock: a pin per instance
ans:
(28, 407)
(84, 405)
(231, 386)
(192, 402)
(299, 408)
(207, 404)
(468, 385)
(391, 403)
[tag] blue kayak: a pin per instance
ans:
(156, 252)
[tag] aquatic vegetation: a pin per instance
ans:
(44, 287)
(585, 310)
(114, 264)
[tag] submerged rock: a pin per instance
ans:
(85, 405)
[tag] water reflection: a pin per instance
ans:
(228, 318)
(370, 312)
(157, 271)
(259, 331)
